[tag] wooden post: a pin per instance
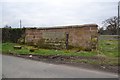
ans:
(67, 36)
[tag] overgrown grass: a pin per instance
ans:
(9, 48)
(108, 48)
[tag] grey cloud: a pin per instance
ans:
(48, 13)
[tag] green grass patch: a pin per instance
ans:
(106, 48)
(109, 48)
(9, 48)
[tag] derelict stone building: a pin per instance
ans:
(75, 36)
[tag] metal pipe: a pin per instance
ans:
(20, 24)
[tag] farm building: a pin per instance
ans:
(63, 37)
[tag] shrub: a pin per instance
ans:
(12, 34)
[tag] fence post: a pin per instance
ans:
(67, 36)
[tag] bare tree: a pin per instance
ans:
(101, 30)
(111, 25)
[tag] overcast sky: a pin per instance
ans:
(48, 13)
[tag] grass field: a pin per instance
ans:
(106, 48)
(9, 48)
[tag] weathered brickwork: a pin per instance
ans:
(79, 36)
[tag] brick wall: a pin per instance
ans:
(80, 36)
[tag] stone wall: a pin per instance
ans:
(80, 36)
